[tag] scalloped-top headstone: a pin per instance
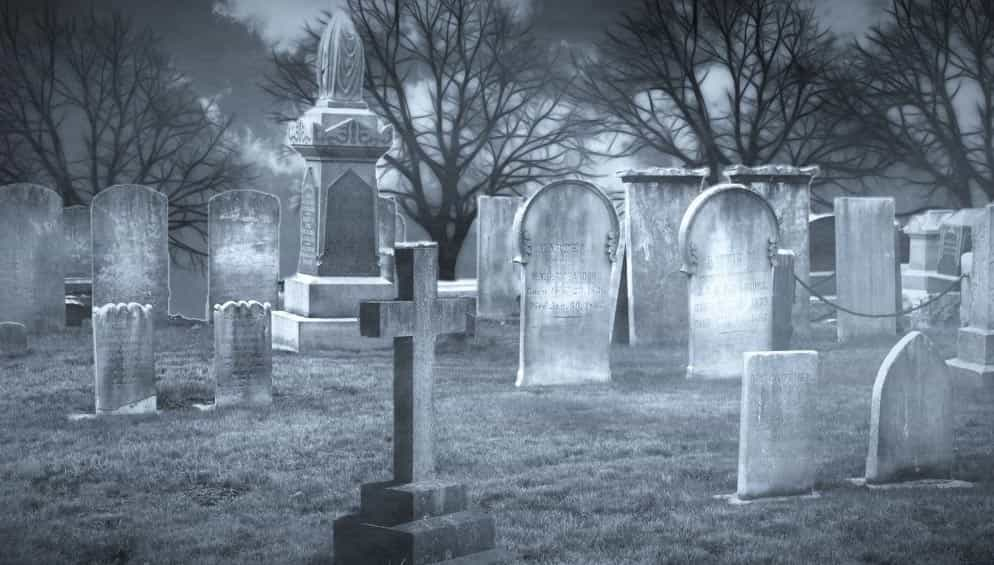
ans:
(243, 354)
(124, 358)
(244, 247)
(566, 238)
(728, 239)
(13, 339)
(130, 228)
(911, 415)
(32, 285)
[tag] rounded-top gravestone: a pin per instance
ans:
(32, 283)
(130, 226)
(728, 242)
(566, 238)
(244, 247)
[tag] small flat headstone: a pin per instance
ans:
(13, 339)
(776, 431)
(911, 415)
(124, 358)
(243, 354)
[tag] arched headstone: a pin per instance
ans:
(567, 237)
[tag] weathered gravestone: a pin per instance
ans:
(386, 216)
(655, 200)
(13, 339)
(955, 240)
(911, 415)
(496, 273)
(974, 362)
(243, 354)
(865, 267)
(776, 431)
(920, 273)
(416, 518)
(966, 289)
(821, 230)
(788, 190)
(78, 255)
(124, 358)
(32, 288)
(131, 248)
(728, 241)
(244, 247)
(567, 237)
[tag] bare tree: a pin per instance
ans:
(711, 83)
(89, 101)
(922, 87)
(475, 100)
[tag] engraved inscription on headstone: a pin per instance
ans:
(728, 240)
(32, 284)
(307, 262)
(124, 358)
(244, 245)
(131, 247)
(567, 241)
(243, 357)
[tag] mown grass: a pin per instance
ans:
(619, 473)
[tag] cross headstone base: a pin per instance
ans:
(419, 522)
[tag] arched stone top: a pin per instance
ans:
(341, 61)
(520, 245)
(128, 188)
(31, 192)
(690, 216)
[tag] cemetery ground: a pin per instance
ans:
(617, 473)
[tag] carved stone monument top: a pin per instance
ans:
(341, 61)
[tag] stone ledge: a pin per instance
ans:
(431, 540)
(299, 334)
(391, 503)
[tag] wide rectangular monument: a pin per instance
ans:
(865, 266)
(243, 354)
(776, 431)
(728, 242)
(32, 284)
(130, 225)
(974, 361)
(496, 273)
(655, 200)
(788, 190)
(567, 237)
(243, 247)
(925, 248)
(911, 415)
(124, 358)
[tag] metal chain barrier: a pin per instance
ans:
(904, 312)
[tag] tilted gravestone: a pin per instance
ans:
(865, 267)
(130, 226)
(243, 246)
(497, 274)
(124, 358)
(728, 241)
(243, 354)
(974, 361)
(788, 190)
(655, 201)
(416, 518)
(567, 237)
(776, 431)
(32, 285)
(13, 339)
(911, 415)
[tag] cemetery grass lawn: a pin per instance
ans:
(619, 473)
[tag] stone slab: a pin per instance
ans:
(969, 374)
(332, 297)
(488, 557)
(300, 334)
(420, 542)
(734, 500)
(391, 503)
(919, 484)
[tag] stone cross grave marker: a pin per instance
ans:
(496, 272)
(865, 266)
(728, 241)
(124, 358)
(244, 247)
(243, 354)
(567, 238)
(655, 201)
(32, 284)
(911, 415)
(130, 226)
(13, 339)
(776, 432)
(415, 518)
